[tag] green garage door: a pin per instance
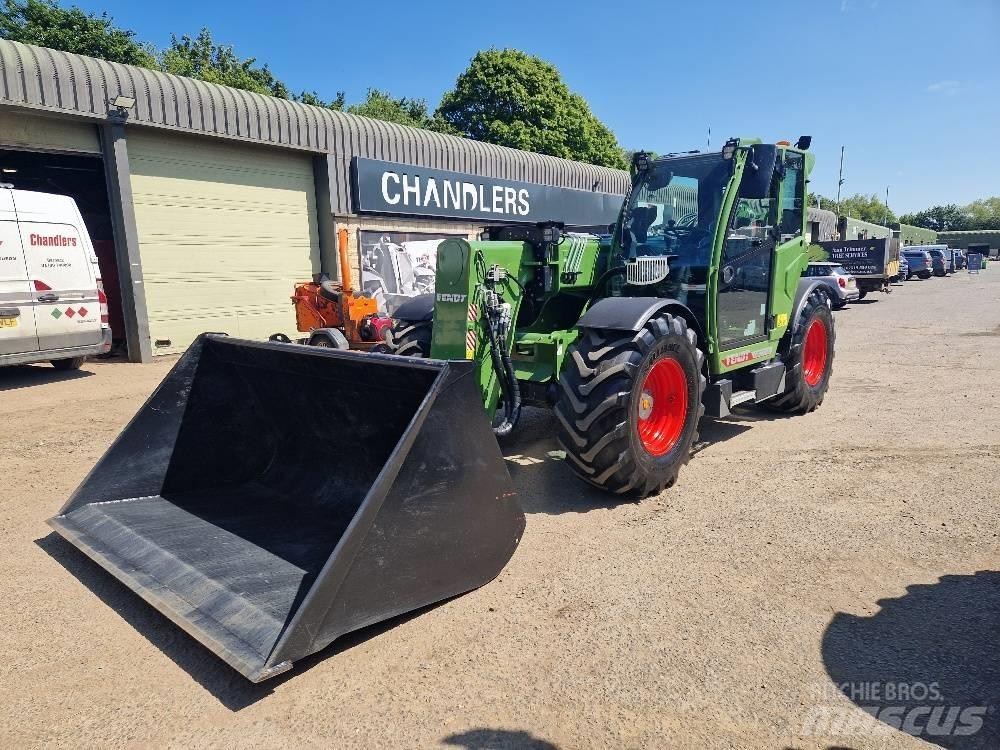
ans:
(224, 232)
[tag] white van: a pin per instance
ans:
(52, 303)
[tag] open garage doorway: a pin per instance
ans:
(82, 178)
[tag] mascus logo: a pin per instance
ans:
(52, 240)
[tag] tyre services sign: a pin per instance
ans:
(389, 188)
(859, 257)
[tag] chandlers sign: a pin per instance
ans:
(389, 188)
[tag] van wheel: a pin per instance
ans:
(69, 364)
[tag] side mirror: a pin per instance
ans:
(759, 171)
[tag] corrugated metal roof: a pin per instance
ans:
(65, 83)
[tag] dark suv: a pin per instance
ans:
(939, 262)
(919, 263)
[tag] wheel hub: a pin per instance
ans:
(814, 352)
(662, 406)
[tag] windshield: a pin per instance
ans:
(672, 211)
(675, 202)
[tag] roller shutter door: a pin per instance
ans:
(224, 232)
(47, 134)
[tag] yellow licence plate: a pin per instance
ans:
(8, 322)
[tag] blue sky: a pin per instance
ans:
(910, 88)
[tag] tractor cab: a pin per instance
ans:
(722, 233)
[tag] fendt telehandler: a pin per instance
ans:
(270, 497)
(693, 305)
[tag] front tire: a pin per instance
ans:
(74, 363)
(412, 339)
(808, 359)
(629, 404)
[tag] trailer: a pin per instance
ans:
(873, 262)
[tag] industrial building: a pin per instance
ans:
(206, 203)
(985, 241)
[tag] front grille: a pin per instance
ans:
(645, 271)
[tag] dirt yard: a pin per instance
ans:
(856, 546)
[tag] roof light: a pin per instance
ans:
(730, 148)
(783, 143)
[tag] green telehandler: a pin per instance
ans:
(270, 497)
(693, 305)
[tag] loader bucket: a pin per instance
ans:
(269, 497)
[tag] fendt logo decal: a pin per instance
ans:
(53, 240)
(738, 359)
(451, 297)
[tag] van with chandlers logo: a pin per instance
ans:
(52, 303)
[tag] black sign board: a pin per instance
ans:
(388, 188)
(859, 257)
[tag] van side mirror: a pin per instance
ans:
(759, 171)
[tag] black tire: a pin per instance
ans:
(329, 338)
(598, 403)
(800, 397)
(924, 274)
(862, 293)
(840, 305)
(412, 339)
(69, 364)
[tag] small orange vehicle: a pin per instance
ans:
(336, 316)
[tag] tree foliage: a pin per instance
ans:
(200, 57)
(381, 105)
(511, 98)
(44, 23)
(870, 208)
(980, 214)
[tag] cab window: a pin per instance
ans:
(790, 197)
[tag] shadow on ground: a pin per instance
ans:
(498, 739)
(940, 643)
(229, 687)
(30, 376)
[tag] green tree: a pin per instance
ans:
(868, 208)
(44, 23)
(205, 60)
(983, 213)
(510, 98)
(939, 218)
(381, 105)
(311, 97)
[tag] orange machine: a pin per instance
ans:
(325, 307)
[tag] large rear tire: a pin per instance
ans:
(629, 404)
(412, 339)
(808, 358)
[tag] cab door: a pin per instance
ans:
(790, 254)
(17, 314)
(744, 281)
(67, 309)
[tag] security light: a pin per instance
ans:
(123, 102)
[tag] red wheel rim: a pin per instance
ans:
(662, 407)
(814, 352)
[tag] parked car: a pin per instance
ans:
(904, 268)
(52, 303)
(920, 263)
(940, 261)
(841, 286)
(961, 261)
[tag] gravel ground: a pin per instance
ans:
(854, 545)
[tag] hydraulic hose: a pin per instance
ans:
(504, 369)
